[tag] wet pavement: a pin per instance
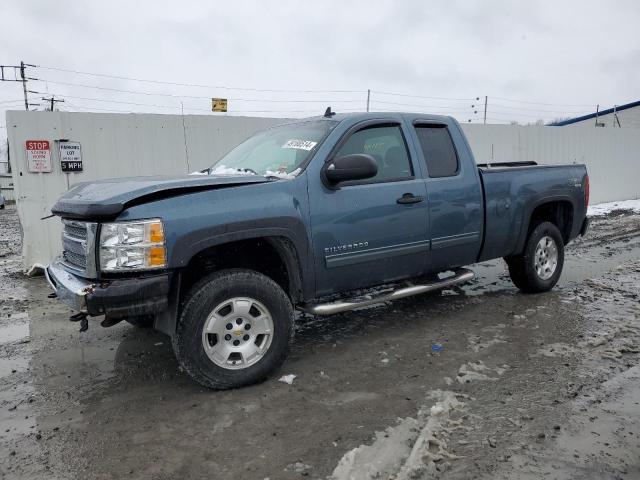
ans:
(472, 382)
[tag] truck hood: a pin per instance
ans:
(107, 198)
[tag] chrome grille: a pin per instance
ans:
(75, 259)
(76, 231)
(78, 239)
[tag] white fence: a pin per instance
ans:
(112, 145)
(612, 155)
(115, 145)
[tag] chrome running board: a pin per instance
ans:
(460, 275)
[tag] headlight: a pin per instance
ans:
(126, 246)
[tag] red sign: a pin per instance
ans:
(38, 155)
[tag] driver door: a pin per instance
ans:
(371, 231)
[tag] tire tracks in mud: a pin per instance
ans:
(524, 422)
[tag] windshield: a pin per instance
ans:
(277, 152)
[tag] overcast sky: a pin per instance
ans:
(563, 57)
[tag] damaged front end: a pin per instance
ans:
(89, 249)
(116, 299)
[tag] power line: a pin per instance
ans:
(89, 108)
(533, 111)
(499, 109)
(547, 104)
(415, 105)
(200, 97)
(122, 102)
(119, 90)
(422, 96)
(295, 111)
(220, 87)
(514, 115)
(172, 106)
(268, 90)
(512, 107)
(82, 107)
(11, 101)
(435, 111)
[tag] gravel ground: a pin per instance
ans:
(473, 382)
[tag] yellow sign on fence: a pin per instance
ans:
(218, 104)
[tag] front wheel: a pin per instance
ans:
(234, 330)
(539, 266)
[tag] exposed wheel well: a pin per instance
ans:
(274, 257)
(560, 213)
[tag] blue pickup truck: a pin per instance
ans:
(298, 217)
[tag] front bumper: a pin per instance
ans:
(71, 290)
(118, 298)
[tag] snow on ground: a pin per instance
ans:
(288, 378)
(412, 449)
(472, 371)
(605, 208)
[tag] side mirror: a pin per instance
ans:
(356, 166)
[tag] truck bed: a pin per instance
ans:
(512, 191)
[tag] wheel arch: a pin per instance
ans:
(272, 252)
(557, 209)
(275, 256)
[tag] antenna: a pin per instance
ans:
(328, 113)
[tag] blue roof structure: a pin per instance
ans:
(618, 108)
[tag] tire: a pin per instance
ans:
(141, 321)
(534, 271)
(240, 355)
(2, 207)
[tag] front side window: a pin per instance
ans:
(278, 152)
(438, 150)
(387, 146)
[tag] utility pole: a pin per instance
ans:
(23, 78)
(52, 100)
(24, 85)
(485, 110)
(368, 98)
(184, 133)
(615, 117)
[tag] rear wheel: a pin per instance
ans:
(539, 266)
(234, 330)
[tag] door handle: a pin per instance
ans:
(408, 198)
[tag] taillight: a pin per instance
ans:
(586, 190)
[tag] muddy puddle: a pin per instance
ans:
(476, 379)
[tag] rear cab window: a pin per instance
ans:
(438, 150)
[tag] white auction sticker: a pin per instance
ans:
(300, 144)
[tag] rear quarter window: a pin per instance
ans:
(438, 150)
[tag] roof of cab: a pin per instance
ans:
(359, 116)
